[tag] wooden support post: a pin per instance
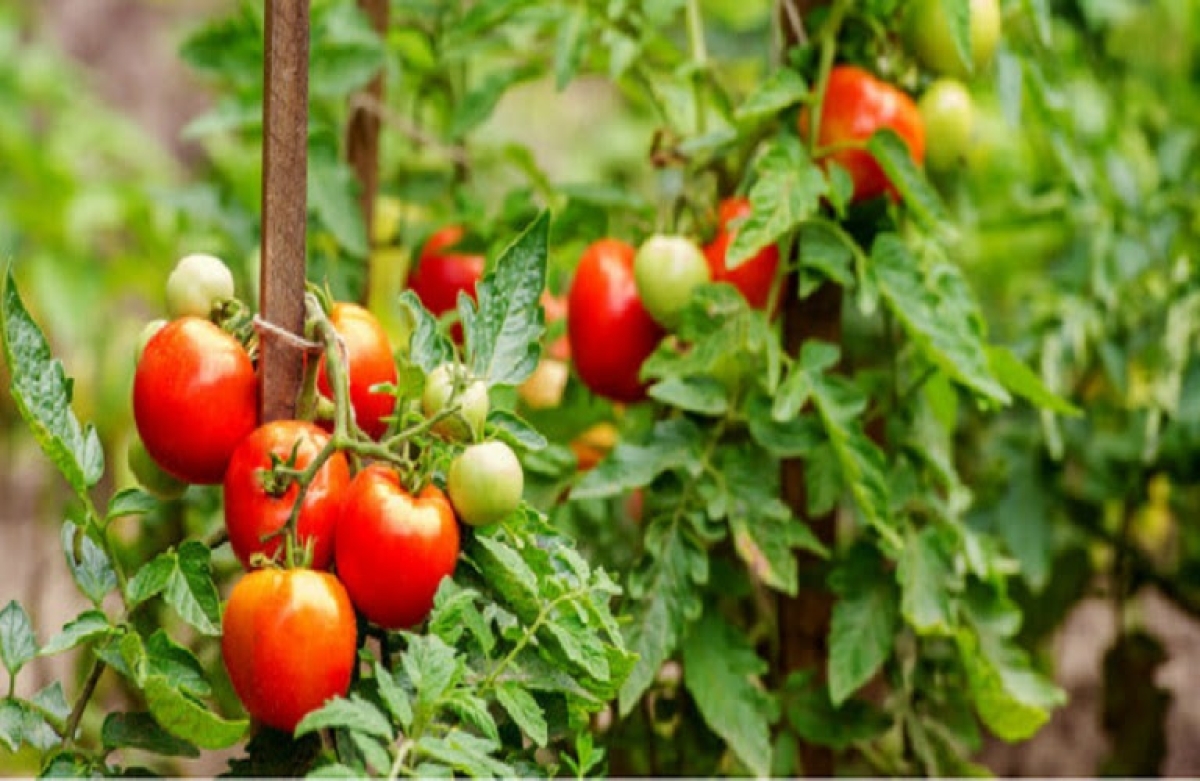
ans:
(362, 142)
(804, 620)
(284, 203)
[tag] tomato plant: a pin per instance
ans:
(460, 402)
(278, 679)
(610, 331)
(194, 399)
(260, 501)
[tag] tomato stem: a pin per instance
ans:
(829, 37)
(695, 28)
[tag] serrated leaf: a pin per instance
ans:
(18, 643)
(89, 564)
(1012, 698)
(346, 51)
(428, 347)
(176, 663)
(151, 579)
(506, 572)
(374, 753)
(788, 192)
(581, 646)
(42, 393)
(353, 713)
(131, 501)
(666, 600)
(926, 576)
(503, 332)
(523, 709)
(701, 395)
(52, 700)
(333, 198)
(673, 444)
(814, 717)
(335, 770)
(894, 157)
(937, 311)
(141, 731)
(87, 626)
(455, 611)
(513, 429)
(783, 88)
(721, 670)
(21, 723)
(395, 699)
(792, 438)
(433, 668)
(864, 624)
(191, 591)
(185, 718)
(472, 711)
(826, 249)
(1024, 382)
(465, 753)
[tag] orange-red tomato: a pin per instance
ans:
(370, 363)
(755, 276)
(856, 105)
(610, 331)
(195, 398)
(252, 511)
(289, 643)
(393, 549)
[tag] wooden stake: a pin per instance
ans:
(804, 620)
(362, 137)
(284, 203)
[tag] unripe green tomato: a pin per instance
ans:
(148, 332)
(150, 475)
(931, 40)
(948, 113)
(197, 283)
(485, 483)
(472, 398)
(666, 270)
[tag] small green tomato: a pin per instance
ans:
(150, 475)
(949, 114)
(472, 398)
(666, 270)
(485, 483)
(197, 283)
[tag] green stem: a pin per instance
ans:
(695, 28)
(89, 688)
(829, 36)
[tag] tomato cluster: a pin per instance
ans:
(302, 497)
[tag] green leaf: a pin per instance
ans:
(176, 663)
(783, 88)
(936, 310)
(191, 591)
(794, 437)
(958, 20)
(185, 718)
(353, 713)
(131, 501)
(721, 670)
(465, 753)
(506, 572)
(21, 723)
(864, 624)
(42, 393)
(472, 711)
(479, 103)
(433, 668)
(346, 51)
(141, 731)
(787, 193)
(502, 333)
(428, 347)
(569, 45)
(666, 600)
(1012, 698)
(151, 579)
(87, 626)
(333, 198)
(374, 752)
(523, 709)
(826, 249)
(673, 444)
(230, 49)
(893, 157)
(513, 429)
(53, 701)
(926, 575)
(89, 564)
(814, 717)
(18, 644)
(1024, 382)
(394, 698)
(701, 395)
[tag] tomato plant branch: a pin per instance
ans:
(695, 28)
(829, 38)
(85, 694)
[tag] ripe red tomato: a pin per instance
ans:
(440, 274)
(753, 277)
(253, 510)
(289, 643)
(393, 549)
(195, 398)
(856, 105)
(370, 363)
(610, 331)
